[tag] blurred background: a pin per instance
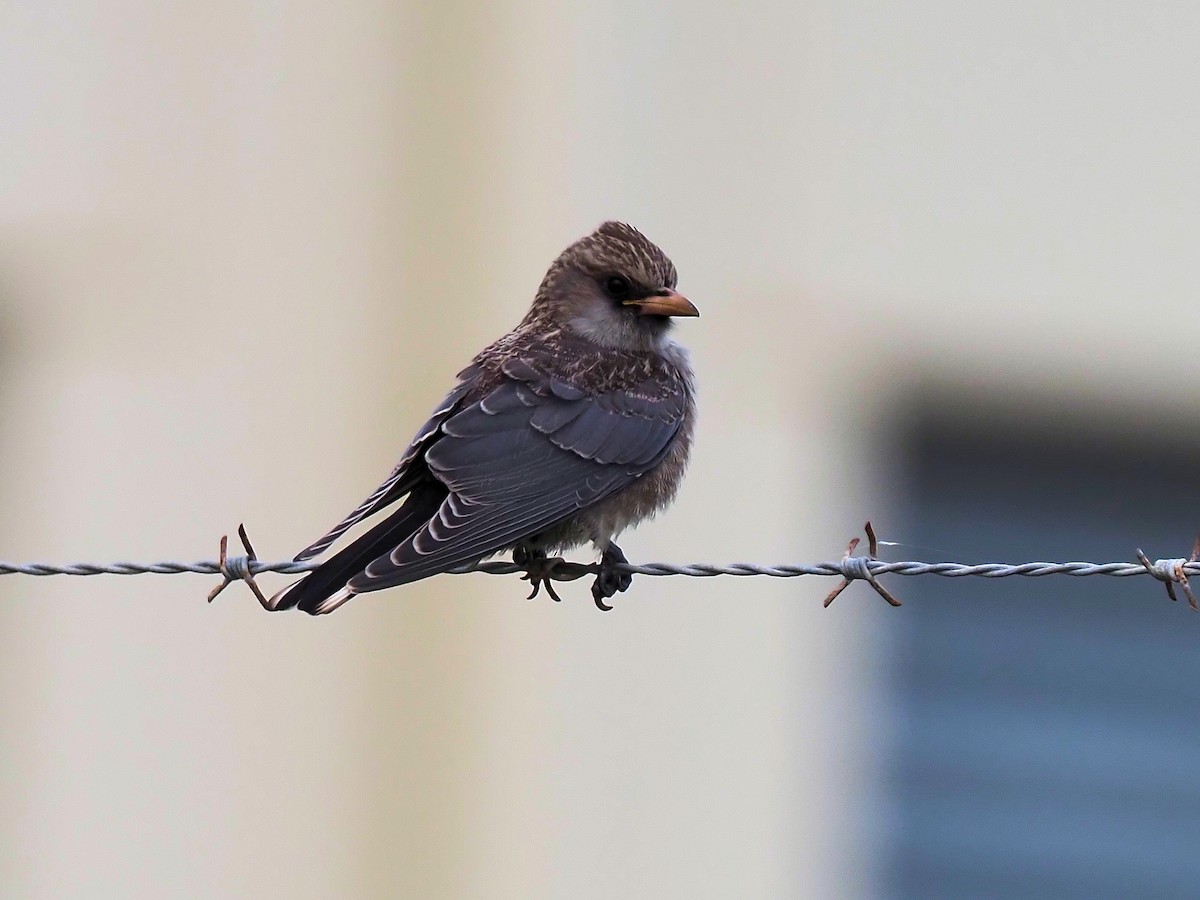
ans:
(945, 258)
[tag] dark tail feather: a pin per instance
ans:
(311, 591)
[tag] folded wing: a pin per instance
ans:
(482, 476)
(527, 456)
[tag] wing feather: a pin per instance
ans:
(529, 455)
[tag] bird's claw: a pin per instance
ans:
(610, 579)
(539, 570)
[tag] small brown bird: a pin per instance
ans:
(571, 428)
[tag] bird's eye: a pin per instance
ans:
(617, 286)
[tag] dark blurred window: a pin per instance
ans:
(1046, 739)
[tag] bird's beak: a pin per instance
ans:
(665, 303)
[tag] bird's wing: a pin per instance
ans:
(401, 481)
(531, 453)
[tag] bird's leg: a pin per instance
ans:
(611, 579)
(537, 568)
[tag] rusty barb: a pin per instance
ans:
(1171, 572)
(854, 568)
(238, 568)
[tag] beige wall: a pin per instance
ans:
(243, 248)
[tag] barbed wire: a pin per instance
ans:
(1171, 571)
(694, 570)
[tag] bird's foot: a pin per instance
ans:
(539, 569)
(611, 579)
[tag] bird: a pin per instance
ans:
(572, 427)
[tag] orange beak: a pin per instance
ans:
(665, 303)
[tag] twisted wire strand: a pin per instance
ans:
(849, 567)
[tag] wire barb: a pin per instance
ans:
(854, 568)
(238, 568)
(1171, 572)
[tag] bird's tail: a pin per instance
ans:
(324, 589)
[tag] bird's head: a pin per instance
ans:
(613, 286)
